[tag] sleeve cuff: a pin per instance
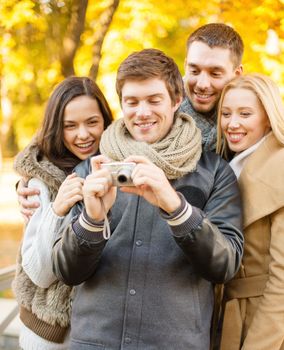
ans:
(88, 229)
(185, 219)
(180, 215)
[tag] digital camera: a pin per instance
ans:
(120, 172)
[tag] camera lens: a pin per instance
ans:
(122, 178)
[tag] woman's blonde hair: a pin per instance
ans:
(269, 96)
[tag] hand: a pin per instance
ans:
(151, 183)
(69, 193)
(27, 208)
(97, 188)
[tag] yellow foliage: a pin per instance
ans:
(32, 33)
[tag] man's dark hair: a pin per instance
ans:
(219, 35)
(148, 64)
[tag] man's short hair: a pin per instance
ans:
(219, 35)
(149, 64)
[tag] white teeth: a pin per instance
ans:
(236, 136)
(203, 96)
(146, 125)
(85, 145)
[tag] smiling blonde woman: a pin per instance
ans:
(251, 124)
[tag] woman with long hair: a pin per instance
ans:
(251, 125)
(75, 117)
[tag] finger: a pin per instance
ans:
(98, 190)
(96, 162)
(138, 159)
(27, 213)
(131, 189)
(73, 200)
(71, 176)
(26, 204)
(73, 192)
(152, 183)
(79, 178)
(26, 191)
(73, 181)
(99, 174)
(97, 187)
(148, 170)
(94, 181)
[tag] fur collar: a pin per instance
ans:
(29, 165)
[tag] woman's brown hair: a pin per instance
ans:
(50, 136)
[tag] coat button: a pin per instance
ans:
(127, 340)
(132, 291)
(138, 242)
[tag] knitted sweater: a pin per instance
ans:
(207, 124)
(45, 303)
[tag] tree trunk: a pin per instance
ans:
(71, 39)
(104, 24)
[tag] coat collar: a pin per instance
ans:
(261, 181)
(30, 164)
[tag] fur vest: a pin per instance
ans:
(46, 311)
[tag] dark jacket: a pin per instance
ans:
(151, 285)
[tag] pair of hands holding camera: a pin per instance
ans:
(149, 182)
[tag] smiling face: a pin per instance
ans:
(83, 126)
(207, 70)
(148, 109)
(244, 121)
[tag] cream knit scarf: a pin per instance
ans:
(177, 154)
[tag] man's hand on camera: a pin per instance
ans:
(151, 183)
(97, 188)
(27, 207)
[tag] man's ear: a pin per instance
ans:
(178, 103)
(239, 70)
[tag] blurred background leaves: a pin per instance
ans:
(43, 41)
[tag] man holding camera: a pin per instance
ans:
(174, 232)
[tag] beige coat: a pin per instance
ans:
(254, 312)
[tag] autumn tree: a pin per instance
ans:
(42, 41)
(104, 23)
(71, 39)
(39, 44)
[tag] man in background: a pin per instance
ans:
(213, 57)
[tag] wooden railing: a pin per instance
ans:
(6, 276)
